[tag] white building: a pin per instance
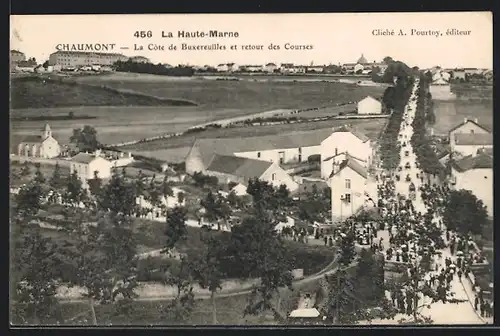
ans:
(316, 68)
(344, 140)
(369, 105)
(475, 173)
(271, 67)
(86, 164)
(42, 146)
(240, 170)
(440, 88)
(348, 183)
(251, 68)
(222, 68)
(468, 126)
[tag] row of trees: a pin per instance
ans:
(155, 69)
(426, 155)
(395, 98)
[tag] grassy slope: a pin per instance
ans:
(245, 93)
(34, 92)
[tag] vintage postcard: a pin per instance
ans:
(251, 169)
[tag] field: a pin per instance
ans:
(216, 99)
(175, 149)
(451, 113)
(264, 95)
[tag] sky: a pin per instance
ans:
(334, 37)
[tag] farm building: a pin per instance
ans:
(271, 67)
(440, 87)
(475, 173)
(458, 74)
(470, 144)
(42, 146)
(329, 163)
(228, 168)
(86, 165)
(468, 126)
(344, 140)
(369, 105)
(348, 183)
(251, 68)
(316, 68)
(286, 67)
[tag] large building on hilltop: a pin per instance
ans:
(80, 58)
(362, 64)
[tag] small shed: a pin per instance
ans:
(369, 105)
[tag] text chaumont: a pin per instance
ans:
(200, 34)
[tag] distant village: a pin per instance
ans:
(104, 62)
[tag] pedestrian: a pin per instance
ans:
(326, 240)
(483, 308)
(330, 242)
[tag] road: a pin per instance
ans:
(440, 313)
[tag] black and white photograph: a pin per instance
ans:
(329, 169)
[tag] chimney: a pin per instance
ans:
(336, 166)
(465, 120)
(475, 120)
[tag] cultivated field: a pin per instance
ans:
(216, 99)
(175, 149)
(122, 123)
(269, 94)
(451, 113)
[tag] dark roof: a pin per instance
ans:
(88, 53)
(354, 165)
(472, 121)
(16, 52)
(474, 139)
(206, 148)
(347, 156)
(442, 154)
(83, 158)
(237, 166)
(32, 139)
(480, 161)
(270, 64)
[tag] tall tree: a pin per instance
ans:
(39, 178)
(464, 212)
(74, 190)
(56, 180)
(33, 276)
(346, 248)
(25, 170)
(85, 138)
(95, 184)
(260, 252)
(207, 269)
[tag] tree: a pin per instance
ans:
(207, 269)
(176, 230)
(74, 191)
(216, 209)
(33, 276)
(46, 64)
(95, 184)
(39, 178)
(464, 212)
(56, 181)
(85, 138)
(388, 60)
(166, 188)
(346, 249)
(260, 252)
(25, 170)
(369, 271)
(102, 259)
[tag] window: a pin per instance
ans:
(258, 154)
(347, 183)
(347, 198)
(273, 176)
(472, 131)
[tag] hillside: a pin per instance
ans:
(38, 92)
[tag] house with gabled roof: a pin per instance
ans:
(470, 143)
(475, 173)
(470, 126)
(239, 170)
(348, 181)
(86, 164)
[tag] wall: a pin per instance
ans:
(281, 177)
(122, 161)
(466, 128)
(480, 182)
(369, 106)
(22, 159)
(441, 92)
(272, 155)
(344, 141)
(50, 148)
(340, 209)
(194, 163)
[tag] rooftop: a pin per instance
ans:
(84, 158)
(480, 161)
(354, 165)
(237, 166)
(466, 120)
(474, 139)
(32, 139)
